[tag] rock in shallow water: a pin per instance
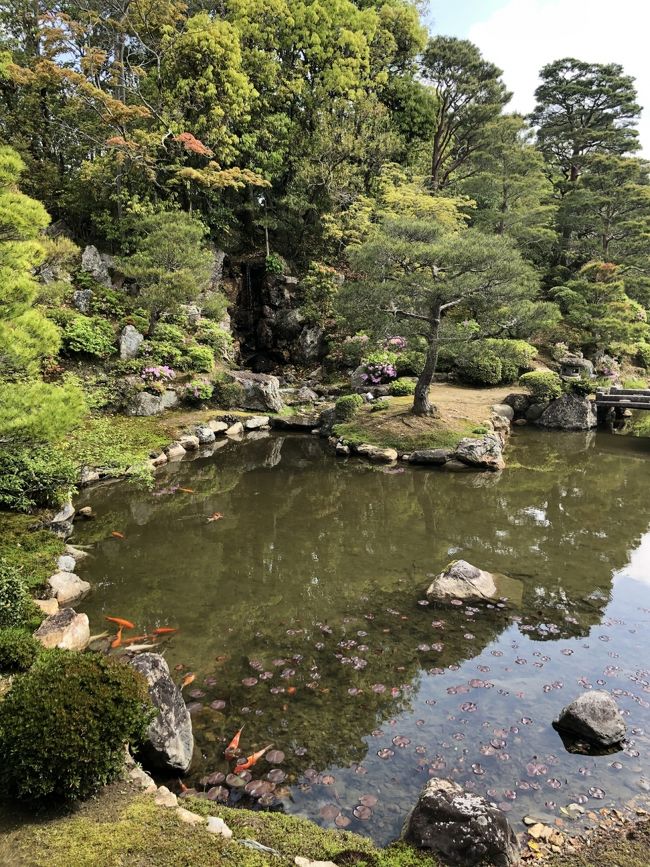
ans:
(170, 742)
(460, 827)
(67, 587)
(66, 630)
(484, 453)
(461, 580)
(376, 453)
(569, 412)
(594, 716)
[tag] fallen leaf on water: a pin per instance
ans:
(117, 534)
(189, 678)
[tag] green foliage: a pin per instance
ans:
(643, 354)
(379, 405)
(543, 385)
(18, 650)
(274, 264)
(401, 387)
(64, 723)
(479, 366)
(352, 350)
(410, 363)
(201, 358)
(319, 289)
(347, 406)
(89, 336)
(161, 352)
(634, 382)
(32, 476)
(214, 336)
(29, 550)
(166, 333)
(198, 391)
(228, 393)
(16, 606)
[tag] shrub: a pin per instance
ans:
(16, 606)
(519, 353)
(215, 306)
(479, 367)
(107, 301)
(18, 650)
(90, 335)
(227, 392)
(216, 337)
(201, 358)
(36, 476)
(162, 353)
(401, 387)
(544, 385)
(352, 350)
(379, 405)
(198, 390)
(643, 354)
(274, 264)
(410, 363)
(633, 382)
(346, 407)
(64, 723)
(166, 333)
(157, 378)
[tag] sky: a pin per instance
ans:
(521, 36)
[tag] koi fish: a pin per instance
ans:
(117, 534)
(117, 641)
(187, 680)
(186, 490)
(251, 760)
(182, 786)
(136, 638)
(137, 648)
(215, 516)
(291, 690)
(165, 630)
(121, 622)
(234, 743)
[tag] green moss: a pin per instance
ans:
(33, 552)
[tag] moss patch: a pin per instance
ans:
(33, 552)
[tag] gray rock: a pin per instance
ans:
(175, 451)
(216, 825)
(342, 450)
(594, 716)
(260, 391)
(519, 401)
(96, 264)
(460, 827)
(534, 411)
(66, 630)
(219, 427)
(376, 453)
(65, 513)
(257, 422)
(461, 580)
(299, 421)
(47, 606)
(484, 453)
(189, 442)
(306, 395)
(82, 299)
(437, 457)
(569, 412)
(289, 324)
(205, 435)
(359, 378)
(66, 563)
(504, 410)
(88, 476)
(235, 430)
(130, 342)
(146, 404)
(311, 344)
(170, 742)
(77, 553)
(160, 460)
(66, 587)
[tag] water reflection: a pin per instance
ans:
(302, 614)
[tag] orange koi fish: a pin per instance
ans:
(186, 490)
(188, 679)
(252, 760)
(215, 516)
(136, 638)
(117, 641)
(291, 690)
(165, 630)
(121, 622)
(117, 534)
(234, 743)
(182, 785)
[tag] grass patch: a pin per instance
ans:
(33, 552)
(116, 442)
(396, 427)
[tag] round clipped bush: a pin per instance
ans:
(479, 368)
(164, 332)
(410, 363)
(201, 358)
(89, 335)
(16, 605)
(198, 390)
(401, 387)
(64, 723)
(346, 407)
(18, 650)
(544, 385)
(214, 336)
(227, 392)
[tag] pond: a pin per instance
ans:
(302, 614)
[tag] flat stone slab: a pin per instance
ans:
(257, 422)
(376, 453)
(435, 457)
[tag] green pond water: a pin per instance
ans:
(302, 613)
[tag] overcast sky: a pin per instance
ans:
(521, 36)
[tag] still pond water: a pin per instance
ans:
(302, 613)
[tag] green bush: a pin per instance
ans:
(215, 306)
(583, 387)
(162, 353)
(479, 367)
(544, 385)
(401, 387)
(198, 391)
(64, 723)
(643, 354)
(634, 382)
(201, 358)
(18, 650)
(16, 606)
(518, 352)
(214, 336)
(275, 264)
(166, 333)
(36, 476)
(346, 407)
(107, 301)
(352, 350)
(410, 363)
(379, 405)
(227, 392)
(90, 335)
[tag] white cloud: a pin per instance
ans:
(524, 35)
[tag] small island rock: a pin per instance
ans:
(594, 716)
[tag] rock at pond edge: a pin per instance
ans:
(594, 716)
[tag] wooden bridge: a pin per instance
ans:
(623, 398)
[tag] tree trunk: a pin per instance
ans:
(421, 403)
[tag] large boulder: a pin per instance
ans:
(82, 299)
(289, 323)
(96, 264)
(435, 457)
(594, 716)
(460, 827)
(260, 391)
(569, 412)
(130, 342)
(484, 453)
(519, 401)
(304, 421)
(146, 404)
(66, 587)
(66, 630)
(311, 344)
(376, 454)
(461, 580)
(170, 742)
(504, 410)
